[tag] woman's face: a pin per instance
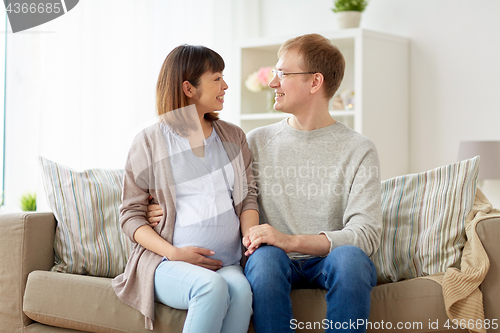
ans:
(209, 95)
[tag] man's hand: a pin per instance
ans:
(196, 256)
(316, 245)
(154, 214)
(265, 234)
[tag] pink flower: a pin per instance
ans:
(259, 80)
(265, 75)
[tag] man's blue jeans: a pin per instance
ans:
(347, 274)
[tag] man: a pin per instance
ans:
(319, 199)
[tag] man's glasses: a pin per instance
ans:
(281, 75)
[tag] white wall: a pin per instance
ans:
(454, 66)
(80, 86)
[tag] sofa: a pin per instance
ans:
(34, 299)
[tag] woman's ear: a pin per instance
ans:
(317, 82)
(188, 89)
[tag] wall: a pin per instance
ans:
(454, 68)
(81, 86)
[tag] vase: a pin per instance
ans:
(348, 19)
(270, 100)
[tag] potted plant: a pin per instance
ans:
(28, 202)
(349, 12)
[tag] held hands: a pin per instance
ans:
(257, 235)
(265, 234)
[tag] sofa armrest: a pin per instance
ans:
(489, 233)
(26, 244)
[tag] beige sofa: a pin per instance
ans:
(32, 299)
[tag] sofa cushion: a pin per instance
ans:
(88, 303)
(88, 237)
(41, 328)
(417, 305)
(405, 306)
(411, 304)
(424, 221)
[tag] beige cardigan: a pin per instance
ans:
(147, 171)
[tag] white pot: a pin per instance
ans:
(348, 19)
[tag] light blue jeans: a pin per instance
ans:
(347, 274)
(218, 301)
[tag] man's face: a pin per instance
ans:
(292, 91)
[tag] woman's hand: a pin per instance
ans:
(154, 213)
(147, 237)
(246, 243)
(196, 256)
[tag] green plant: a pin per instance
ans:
(349, 5)
(28, 202)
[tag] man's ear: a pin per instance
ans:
(317, 82)
(188, 89)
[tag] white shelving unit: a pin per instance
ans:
(376, 69)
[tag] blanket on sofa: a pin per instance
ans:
(462, 298)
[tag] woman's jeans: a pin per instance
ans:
(347, 274)
(218, 301)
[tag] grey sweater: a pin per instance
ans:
(321, 181)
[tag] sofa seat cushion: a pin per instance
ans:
(41, 328)
(89, 304)
(415, 303)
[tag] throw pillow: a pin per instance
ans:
(88, 238)
(424, 221)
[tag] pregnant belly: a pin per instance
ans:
(221, 235)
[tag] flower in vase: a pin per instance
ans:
(259, 80)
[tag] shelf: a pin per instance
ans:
(281, 115)
(271, 43)
(376, 69)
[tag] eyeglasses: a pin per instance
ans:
(280, 74)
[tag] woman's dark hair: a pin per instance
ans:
(184, 63)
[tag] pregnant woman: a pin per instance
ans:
(198, 169)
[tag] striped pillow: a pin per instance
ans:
(424, 221)
(88, 237)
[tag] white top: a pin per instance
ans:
(205, 215)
